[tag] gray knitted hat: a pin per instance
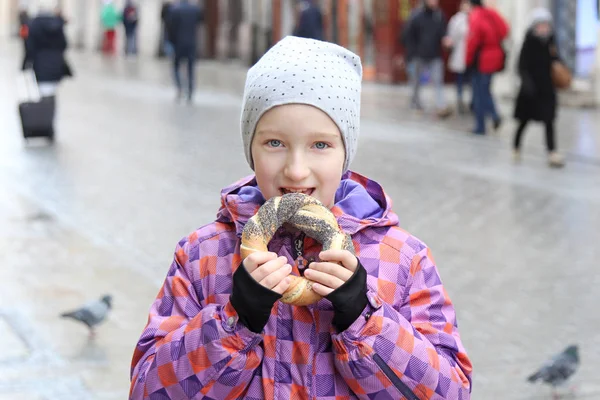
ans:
(305, 71)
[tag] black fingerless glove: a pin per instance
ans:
(251, 300)
(350, 299)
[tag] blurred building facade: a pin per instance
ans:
(245, 29)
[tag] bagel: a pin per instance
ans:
(306, 214)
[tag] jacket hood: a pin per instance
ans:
(50, 25)
(360, 203)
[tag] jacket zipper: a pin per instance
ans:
(299, 253)
(401, 386)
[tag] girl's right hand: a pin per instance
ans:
(269, 270)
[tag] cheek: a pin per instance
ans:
(262, 171)
(337, 160)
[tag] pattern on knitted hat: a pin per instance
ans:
(305, 71)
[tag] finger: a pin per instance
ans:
(255, 259)
(344, 257)
(282, 286)
(267, 268)
(276, 277)
(321, 290)
(323, 278)
(336, 270)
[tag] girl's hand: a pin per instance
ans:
(269, 270)
(336, 267)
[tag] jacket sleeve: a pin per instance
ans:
(503, 27)
(526, 72)
(172, 26)
(406, 36)
(63, 40)
(410, 349)
(474, 39)
(187, 349)
(553, 49)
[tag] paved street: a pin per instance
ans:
(132, 172)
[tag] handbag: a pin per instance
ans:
(561, 76)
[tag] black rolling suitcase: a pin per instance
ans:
(36, 112)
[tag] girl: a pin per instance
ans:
(386, 328)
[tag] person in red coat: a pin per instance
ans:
(485, 57)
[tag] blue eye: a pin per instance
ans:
(274, 143)
(321, 145)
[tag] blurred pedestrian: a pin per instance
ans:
(458, 29)
(130, 22)
(24, 32)
(46, 45)
(235, 16)
(422, 38)
(485, 57)
(537, 95)
(183, 21)
(110, 18)
(165, 48)
(310, 20)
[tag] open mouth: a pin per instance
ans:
(307, 192)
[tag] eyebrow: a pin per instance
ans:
(311, 134)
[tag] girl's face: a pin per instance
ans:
(298, 148)
(543, 29)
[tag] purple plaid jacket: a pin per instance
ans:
(404, 345)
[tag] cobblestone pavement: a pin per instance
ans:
(132, 172)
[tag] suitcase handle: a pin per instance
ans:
(30, 85)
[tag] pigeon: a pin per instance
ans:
(558, 369)
(92, 313)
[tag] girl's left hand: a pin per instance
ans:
(336, 267)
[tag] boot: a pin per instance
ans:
(444, 113)
(516, 156)
(556, 160)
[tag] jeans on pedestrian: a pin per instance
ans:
(460, 83)
(435, 68)
(131, 43)
(190, 58)
(483, 101)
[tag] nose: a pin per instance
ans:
(296, 167)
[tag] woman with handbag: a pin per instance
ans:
(537, 96)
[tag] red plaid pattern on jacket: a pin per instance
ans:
(404, 345)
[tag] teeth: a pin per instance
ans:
(306, 191)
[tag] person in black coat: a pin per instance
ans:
(164, 46)
(537, 95)
(310, 20)
(46, 45)
(183, 21)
